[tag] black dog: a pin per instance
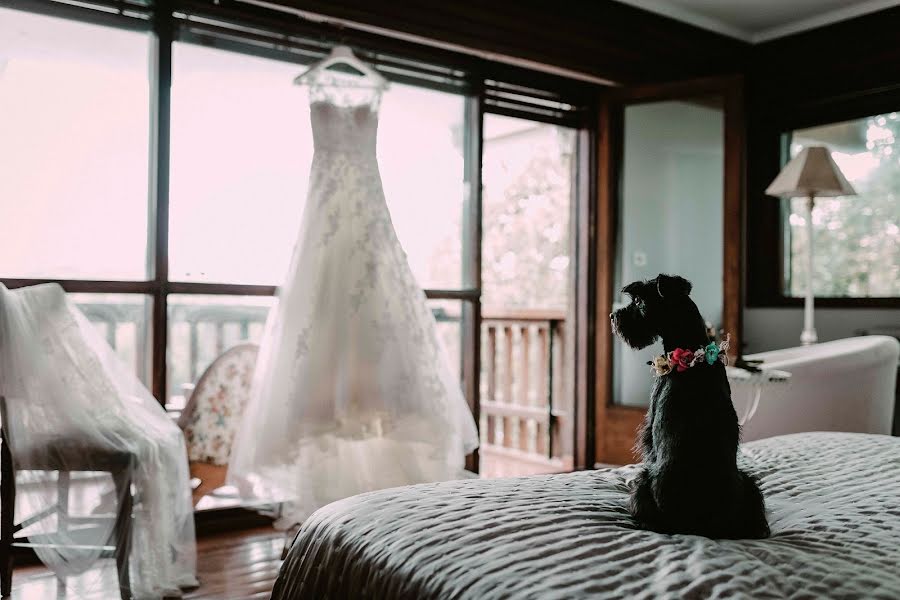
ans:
(689, 482)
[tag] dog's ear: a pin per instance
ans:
(634, 288)
(669, 286)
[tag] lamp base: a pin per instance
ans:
(809, 337)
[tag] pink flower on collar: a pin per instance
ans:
(682, 358)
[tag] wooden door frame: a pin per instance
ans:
(616, 425)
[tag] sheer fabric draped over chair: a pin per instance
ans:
(69, 398)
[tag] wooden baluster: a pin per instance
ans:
(220, 338)
(542, 389)
(543, 366)
(491, 365)
(508, 374)
(524, 385)
(540, 445)
(558, 383)
(525, 392)
(193, 352)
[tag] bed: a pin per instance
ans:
(834, 510)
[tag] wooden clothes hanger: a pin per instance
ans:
(343, 55)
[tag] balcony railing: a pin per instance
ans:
(526, 413)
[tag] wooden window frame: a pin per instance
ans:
(164, 26)
(765, 221)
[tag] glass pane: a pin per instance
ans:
(241, 154)
(202, 327)
(74, 148)
(124, 322)
(529, 188)
(448, 314)
(420, 157)
(241, 151)
(528, 184)
(857, 239)
(670, 216)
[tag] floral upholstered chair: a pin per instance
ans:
(213, 413)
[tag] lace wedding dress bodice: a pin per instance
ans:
(350, 129)
(352, 392)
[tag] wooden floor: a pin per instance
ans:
(230, 566)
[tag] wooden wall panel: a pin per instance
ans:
(605, 39)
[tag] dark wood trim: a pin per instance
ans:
(845, 67)
(468, 294)
(764, 251)
(231, 289)
(221, 520)
(197, 287)
(677, 90)
(610, 41)
(161, 83)
(110, 13)
(87, 286)
(585, 252)
(616, 425)
(472, 264)
(822, 111)
(566, 121)
(732, 92)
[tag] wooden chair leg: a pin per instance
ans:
(7, 517)
(123, 531)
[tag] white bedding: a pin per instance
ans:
(834, 510)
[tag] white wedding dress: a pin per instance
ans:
(352, 391)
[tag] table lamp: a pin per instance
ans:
(811, 174)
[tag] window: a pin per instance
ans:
(449, 315)
(528, 189)
(123, 320)
(222, 182)
(857, 239)
(241, 152)
(420, 157)
(74, 102)
(240, 159)
(201, 327)
(527, 277)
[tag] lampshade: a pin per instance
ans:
(811, 173)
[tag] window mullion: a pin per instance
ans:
(472, 242)
(161, 85)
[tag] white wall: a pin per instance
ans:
(775, 328)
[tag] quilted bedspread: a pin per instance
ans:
(834, 510)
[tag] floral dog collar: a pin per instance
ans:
(681, 359)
